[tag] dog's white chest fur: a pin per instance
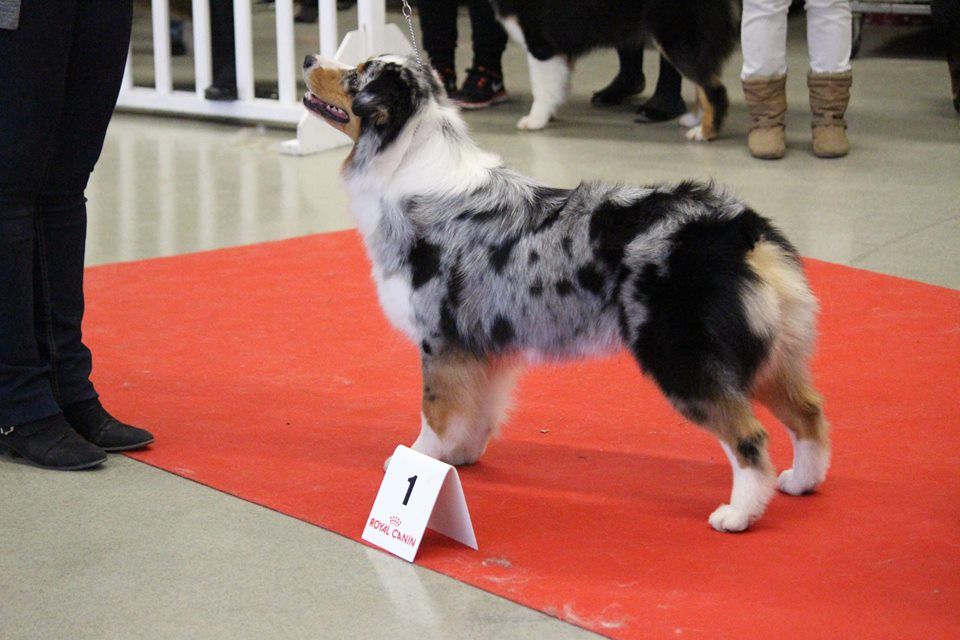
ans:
(393, 287)
(395, 292)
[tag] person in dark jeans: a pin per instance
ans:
(483, 86)
(310, 9)
(946, 15)
(62, 63)
(222, 52)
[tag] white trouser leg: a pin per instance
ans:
(829, 35)
(763, 32)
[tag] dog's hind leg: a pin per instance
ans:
(791, 397)
(785, 387)
(465, 398)
(711, 94)
(744, 441)
(713, 104)
(550, 82)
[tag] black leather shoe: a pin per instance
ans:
(50, 443)
(92, 421)
(658, 109)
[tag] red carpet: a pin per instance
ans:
(269, 372)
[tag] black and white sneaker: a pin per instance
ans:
(483, 88)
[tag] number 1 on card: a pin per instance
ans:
(412, 480)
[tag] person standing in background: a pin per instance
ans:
(310, 9)
(483, 86)
(764, 76)
(222, 52)
(946, 15)
(61, 64)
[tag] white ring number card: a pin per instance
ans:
(417, 492)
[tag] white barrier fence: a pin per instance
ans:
(373, 35)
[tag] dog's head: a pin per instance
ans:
(376, 99)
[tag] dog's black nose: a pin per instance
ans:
(309, 61)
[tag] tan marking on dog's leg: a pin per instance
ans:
(706, 129)
(745, 443)
(793, 400)
(464, 400)
(707, 121)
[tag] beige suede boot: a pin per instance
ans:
(767, 104)
(829, 96)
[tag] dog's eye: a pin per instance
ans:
(354, 81)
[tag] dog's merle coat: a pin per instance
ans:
(517, 266)
(483, 267)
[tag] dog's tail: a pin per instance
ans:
(697, 35)
(722, 20)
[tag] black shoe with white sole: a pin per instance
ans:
(93, 422)
(483, 88)
(50, 443)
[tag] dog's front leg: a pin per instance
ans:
(549, 81)
(464, 400)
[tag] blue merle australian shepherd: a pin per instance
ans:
(485, 269)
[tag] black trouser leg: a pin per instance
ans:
(58, 83)
(32, 79)
(669, 81)
(222, 44)
(438, 22)
(666, 103)
(628, 81)
(489, 38)
(95, 70)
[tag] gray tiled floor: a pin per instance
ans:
(132, 552)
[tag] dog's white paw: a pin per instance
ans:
(795, 484)
(729, 519)
(532, 122)
(690, 119)
(696, 134)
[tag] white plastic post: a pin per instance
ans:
(243, 37)
(328, 28)
(161, 46)
(286, 78)
(371, 18)
(202, 65)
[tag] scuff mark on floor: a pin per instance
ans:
(609, 618)
(497, 562)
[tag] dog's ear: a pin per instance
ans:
(386, 96)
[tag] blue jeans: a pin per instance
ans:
(60, 73)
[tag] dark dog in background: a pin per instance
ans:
(697, 36)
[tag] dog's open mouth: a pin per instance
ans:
(325, 109)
